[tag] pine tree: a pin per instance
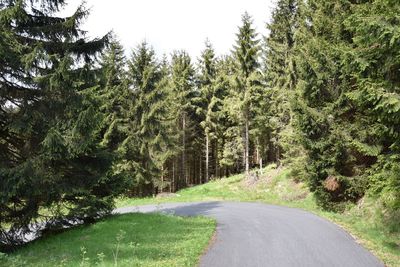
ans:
(51, 152)
(280, 76)
(182, 87)
(149, 127)
(114, 95)
(214, 84)
(207, 100)
(115, 101)
(372, 67)
(323, 112)
(169, 148)
(246, 52)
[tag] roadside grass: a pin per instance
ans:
(121, 240)
(276, 187)
(273, 186)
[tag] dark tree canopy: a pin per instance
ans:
(53, 164)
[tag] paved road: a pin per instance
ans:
(255, 234)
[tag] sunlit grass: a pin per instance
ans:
(122, 240)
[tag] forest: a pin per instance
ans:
(82, 121)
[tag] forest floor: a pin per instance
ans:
(275, 186)
(133, 239)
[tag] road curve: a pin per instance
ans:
(255, 234)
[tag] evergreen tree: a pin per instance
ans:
(280, 76)
(51, 151)
(182, 87)
(115, 101)
(246, 52)
(169, 148)
(215, 113)
(230, 117)
(207, 99)
(323, 112)
(148, 139)
(114, 95)
(372, 69)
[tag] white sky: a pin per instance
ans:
(173, 24)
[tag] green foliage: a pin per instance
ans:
(150, 138)
(280, 77)
(182, 90)
(246, 83)
(374, 63)
(346, 101)
(320, 106)
(208, 104)
(52, 155)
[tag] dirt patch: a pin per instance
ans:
(165, 195)
(256, 178)
(251, 180)
(295, 196)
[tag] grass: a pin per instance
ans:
(277, 187)
(121, 240)
(274, 187)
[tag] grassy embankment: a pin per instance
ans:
(276, 187)
(121, 240)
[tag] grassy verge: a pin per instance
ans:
(121, 240)
(276, 187)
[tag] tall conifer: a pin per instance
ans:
(182, 87)
(148, 138)
(246, 54)
(51, 152)
(208, 100)
(280, 77)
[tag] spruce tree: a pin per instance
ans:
(169, 147)
(218, 115)
(114, 94)
(372, 67)
(182, 87)
(51, 152)
(207, 99)
(246, 53)
(115, 101)
(230, 118)
(149, 136)
(280, 77)
(323, 112)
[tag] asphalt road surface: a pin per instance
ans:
(255, 234)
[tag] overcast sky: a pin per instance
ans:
(173, 24)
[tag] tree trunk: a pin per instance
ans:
(207, 157)
(246, 149)
(278, 163)
(259, 159)
(217, 174)
(183, 163)
(162, 178)
(201, 174)
(173, 186)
